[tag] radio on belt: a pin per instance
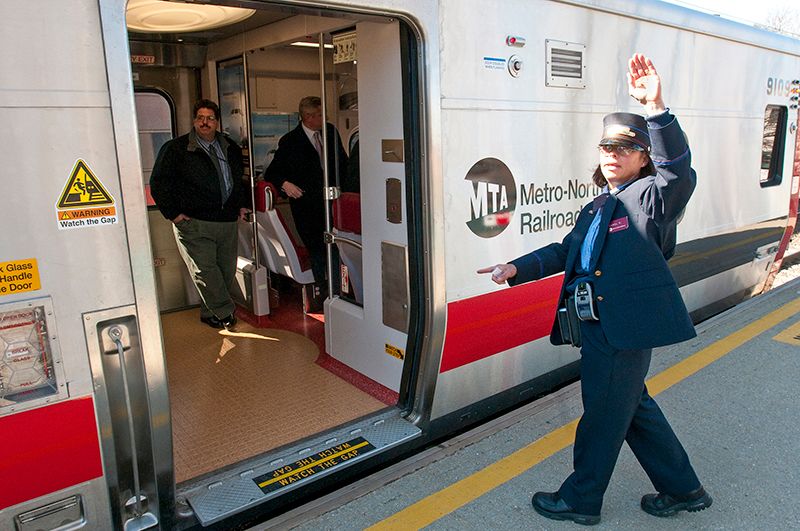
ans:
(584, 302)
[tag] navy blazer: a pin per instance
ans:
(638, 301)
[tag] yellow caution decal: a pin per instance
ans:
(395, 352)
(84, 202)
(18, 276)
(83, 189)
(313, 464)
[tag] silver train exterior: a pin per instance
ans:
(498, 107)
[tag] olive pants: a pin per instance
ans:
(209, 249)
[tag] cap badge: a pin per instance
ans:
(615, 130)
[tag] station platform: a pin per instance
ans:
(730, 394)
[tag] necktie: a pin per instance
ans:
(223, 170)
(591, 235)
(318, 145)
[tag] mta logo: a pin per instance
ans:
(493, 197)
(488, 198)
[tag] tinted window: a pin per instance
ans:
(772, 145)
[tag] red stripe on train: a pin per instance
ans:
(48, 449)
(482, 326)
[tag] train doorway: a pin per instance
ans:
(297, 372)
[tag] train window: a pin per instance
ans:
(772, 145)
(154, 116)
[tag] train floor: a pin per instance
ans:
(730, 394)
(236, 394)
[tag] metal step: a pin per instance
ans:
(293, 467)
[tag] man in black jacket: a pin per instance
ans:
(296, 170)
(197, 184)
(625, 303)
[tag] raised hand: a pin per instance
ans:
(644, 83)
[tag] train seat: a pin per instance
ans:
(279, 250)
(347, 224)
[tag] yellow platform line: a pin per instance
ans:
(447, 500)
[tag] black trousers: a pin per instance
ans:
(309, 219)
(618, 408)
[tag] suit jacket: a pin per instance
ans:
(637, 299)
(297, 161)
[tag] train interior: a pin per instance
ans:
(297, 363)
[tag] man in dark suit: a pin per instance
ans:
(296, 170)
(619, 248)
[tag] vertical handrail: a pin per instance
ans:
(141, 520)
(325, 165)
(251, 163)
(115, 333)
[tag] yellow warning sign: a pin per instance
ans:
(84, 201)
(18, 276)
(395, 352)
(83, 189)
(87, 213)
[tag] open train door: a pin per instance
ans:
(352, 401)
(368, 244)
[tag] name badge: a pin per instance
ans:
(618, 224)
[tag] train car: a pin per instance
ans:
(468, 129)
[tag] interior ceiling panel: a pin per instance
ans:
(259, 18)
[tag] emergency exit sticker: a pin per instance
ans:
(84, 202)
(18, 276)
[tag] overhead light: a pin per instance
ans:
(157, 16)
(311, 44)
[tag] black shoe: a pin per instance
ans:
(228, 322)
(553, 506)
(666, 504)
(213, 322)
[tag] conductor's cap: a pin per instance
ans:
(625, 129)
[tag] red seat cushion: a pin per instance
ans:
(300, 250)
(347, 212)
(261, 206)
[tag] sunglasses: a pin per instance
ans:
(619, 150)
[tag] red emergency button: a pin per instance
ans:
(515, 40)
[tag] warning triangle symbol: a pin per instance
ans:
(83, 189)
